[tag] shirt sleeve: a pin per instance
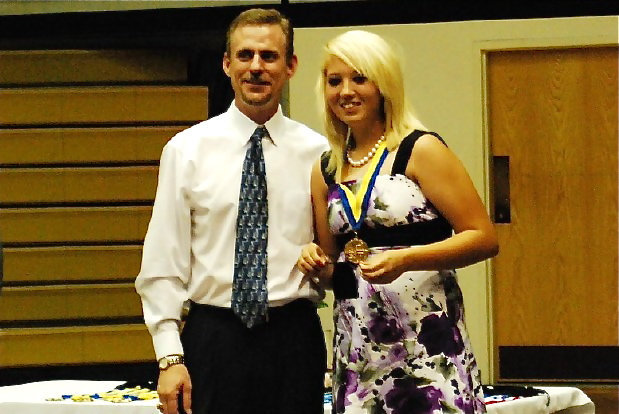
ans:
(166, 256)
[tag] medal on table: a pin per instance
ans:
(356, 206)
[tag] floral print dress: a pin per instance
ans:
(402, 348)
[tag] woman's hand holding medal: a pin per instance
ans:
(383, 267)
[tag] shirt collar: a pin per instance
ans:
(245, 126)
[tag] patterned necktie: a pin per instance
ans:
(249, 292)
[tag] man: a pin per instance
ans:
(229, 360)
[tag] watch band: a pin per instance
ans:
(170, 360)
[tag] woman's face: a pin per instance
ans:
(353, 98)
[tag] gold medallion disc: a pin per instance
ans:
(356, 250)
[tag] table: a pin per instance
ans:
(31, 399)
(566, 400)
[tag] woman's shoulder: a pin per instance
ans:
(416, 144)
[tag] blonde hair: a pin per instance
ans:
(370, 55)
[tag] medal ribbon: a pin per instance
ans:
(356, 205)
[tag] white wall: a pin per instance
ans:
(444, 71)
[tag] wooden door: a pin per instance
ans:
(553, 135)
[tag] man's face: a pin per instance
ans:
(257, 67)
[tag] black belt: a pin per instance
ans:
(274, 311)
(413, 234)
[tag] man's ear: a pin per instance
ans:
(292, 65)
(226, 64)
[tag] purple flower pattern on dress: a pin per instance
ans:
(384, 331)
(439, 335)
(348, 386)
(468, 404)
(407, 398)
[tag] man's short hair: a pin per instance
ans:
(261, 17)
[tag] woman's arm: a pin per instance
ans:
(317, 258)
(445, 182)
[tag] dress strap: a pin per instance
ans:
(405, 149)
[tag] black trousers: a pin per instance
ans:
(276, 368)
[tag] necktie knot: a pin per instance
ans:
(258, 134)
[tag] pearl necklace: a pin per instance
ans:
(367, 158)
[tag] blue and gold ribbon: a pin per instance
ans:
(356, 204)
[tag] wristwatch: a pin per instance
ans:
(169, 360)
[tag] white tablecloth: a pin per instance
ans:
(567, 400)
(31, 399)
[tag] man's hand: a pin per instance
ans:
(172, 382)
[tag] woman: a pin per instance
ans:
(395, 212)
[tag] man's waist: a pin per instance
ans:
(314, 298)
(295, 304)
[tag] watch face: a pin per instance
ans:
(167, 361)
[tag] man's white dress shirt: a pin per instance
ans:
(189, 246)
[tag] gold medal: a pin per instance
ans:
(356, 250)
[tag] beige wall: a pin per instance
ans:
(444, 71)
